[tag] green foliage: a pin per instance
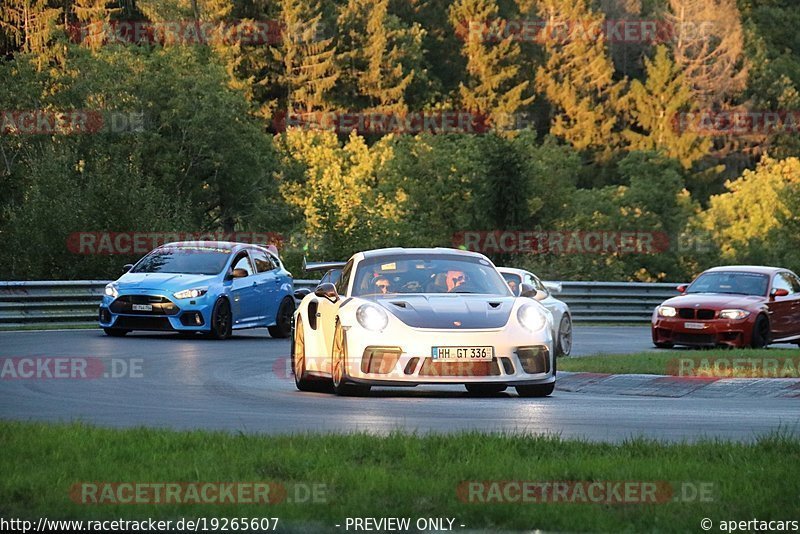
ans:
(754, 221)
(494, 88)
(656, 108)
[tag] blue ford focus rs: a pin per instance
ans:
(210, 287)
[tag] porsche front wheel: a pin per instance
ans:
(341, 384)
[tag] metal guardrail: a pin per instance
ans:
(64, 303)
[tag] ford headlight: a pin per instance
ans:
(531, 317)
(372, 317)
(111, 290)
(667, 311)
(191, 293)
(733, 314)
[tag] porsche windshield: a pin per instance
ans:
(428, 273)
(733, 283)
(184, 260)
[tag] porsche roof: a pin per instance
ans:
(413, 251)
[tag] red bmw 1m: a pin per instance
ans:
(735, 306)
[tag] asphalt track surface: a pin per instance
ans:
(243, 384)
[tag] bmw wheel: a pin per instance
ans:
(761, 333)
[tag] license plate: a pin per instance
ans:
(695, 326)
(142, 307)
(462, 354)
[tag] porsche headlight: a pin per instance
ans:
(667, 311)
(191, 293)
(111, 290)
(531, 317)
(733, 314)
(372, 317)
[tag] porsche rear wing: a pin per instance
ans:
(316, 266)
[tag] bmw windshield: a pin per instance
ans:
(184, 260)
(428, 273)
(733, 283)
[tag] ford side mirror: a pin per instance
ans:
(127, 267)
(682, 288)
(301, 293)
(328, 291)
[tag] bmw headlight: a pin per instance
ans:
(191, 293)
(733, 314)
(111, 290)
(667, 311)
(372, 317)
(531, 317)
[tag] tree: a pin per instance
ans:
(708, 47)
(309, 61)
(493, 88)
(657, 107)
(578, 79)
(30, 25)
(94, 16)
(754, 207)
(377, 52)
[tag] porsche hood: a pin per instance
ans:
(458, 311)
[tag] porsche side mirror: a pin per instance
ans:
(301, 293)
(328, 291)
(682, 288)
(778, 292)
(127, 267)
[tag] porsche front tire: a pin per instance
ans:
(341, 384)
(537, 390)
(302, 380)
(485, 389)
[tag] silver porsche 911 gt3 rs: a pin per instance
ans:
(405, 317)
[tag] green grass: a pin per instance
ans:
(667, 362)
(399, 475)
